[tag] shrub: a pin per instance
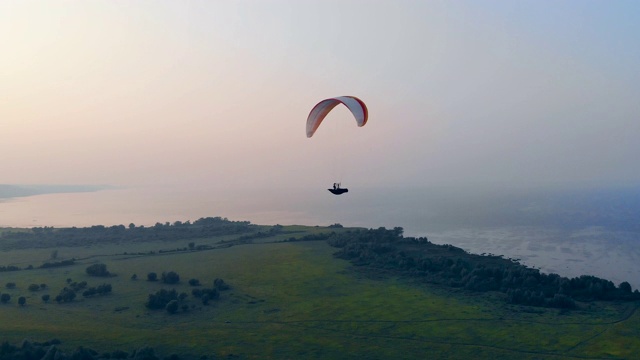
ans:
(152, 276)
(100, 290)
(119, 354)
(22, 300)
(161, 298)
(98, 270)
(34, 287)
(220, 285)
(75, 286)
(172, 307)
(170, 278)
(66, 295)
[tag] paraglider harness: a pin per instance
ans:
(337, 190)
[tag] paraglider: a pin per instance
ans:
(320, 111)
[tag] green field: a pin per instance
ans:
(294, 300)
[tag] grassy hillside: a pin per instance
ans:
(293, 300)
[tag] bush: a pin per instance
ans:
(34, 287)
(161, 298)
(144, 353)
(172, 307)
(22, 300)
(5, 298)
(152, 276)
(211, 294)
(98, 270)
(46, 297)
(119, 354)
(75, 286)
(10, 285)
(220, 285)
(100, 290)
(170, 278)
(194, 282)
(66, 295)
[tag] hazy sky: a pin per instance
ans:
(216, 93)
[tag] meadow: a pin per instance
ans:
(292, 300)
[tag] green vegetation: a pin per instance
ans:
(170, 277)
(285, 295)
(98, 270)
(388, 250)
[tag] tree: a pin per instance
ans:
(172, 307)
(625, 287)
(134, 277)
(152, 276)
(46, 297)
(170, 278)
(194, 282)
(220, 285)
(192, 245)
(98, 270)
(144, 353)
(66, 295)
(34, 287)
(5, 298)
(54, 254)
(10, 285)
(22, 300)
(161, 298)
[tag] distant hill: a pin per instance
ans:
(12, 191)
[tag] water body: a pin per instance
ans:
(569, 232)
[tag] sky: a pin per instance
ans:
(216, 93)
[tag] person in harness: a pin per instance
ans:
(337, 190)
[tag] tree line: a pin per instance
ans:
(389, 250)
(49, 350)
(99, 234)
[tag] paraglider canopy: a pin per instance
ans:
(320, 111)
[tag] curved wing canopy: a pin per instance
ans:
(320, 111)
